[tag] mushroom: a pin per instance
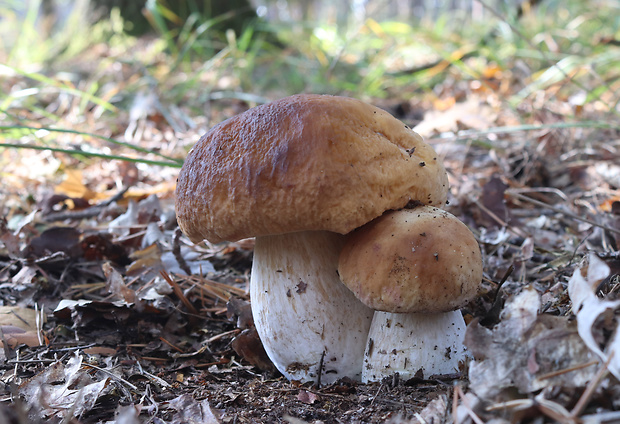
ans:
(297, 174)
(416, 268)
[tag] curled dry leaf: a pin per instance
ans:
(596, 317)
(242, 311)
(249, 346)
(62, 389)
(116, 285)
(526, 350)
(189, 410)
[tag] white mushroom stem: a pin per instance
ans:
(414, 345)
(308, 321)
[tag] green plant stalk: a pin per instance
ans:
(467, 134)
(74, 152)
(158, 13)
(27, 30)
(64, 87)
(101, 137)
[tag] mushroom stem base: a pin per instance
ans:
(414, 345)
(310, 324)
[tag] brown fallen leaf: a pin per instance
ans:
(14, 336)
(100, 350)
(307, 397)
(116, 285)
(19, 326)
(249, 346)
(471, 114)
(53, 240)
(492, 199)
(242, 310)
(73, 186)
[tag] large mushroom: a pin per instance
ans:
(297, 174)
(416, 268)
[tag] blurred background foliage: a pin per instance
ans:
(362, 47)
(71, 63)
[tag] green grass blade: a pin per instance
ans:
(466, 134)
(76, 152)
(61, 86)
(82, 133)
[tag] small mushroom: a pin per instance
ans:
(415, 267)
(298, 174)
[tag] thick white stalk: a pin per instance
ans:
(306, 318)
(414, 345)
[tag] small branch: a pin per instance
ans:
(111, 374)
(176, 251)
(86, 213)
(179, 293)
(589, 391)
(318, 378)
(560, 211)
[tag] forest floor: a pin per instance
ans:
(109, 314)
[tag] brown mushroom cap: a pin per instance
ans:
(413, 260)
(305, 162)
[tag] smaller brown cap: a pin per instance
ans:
(412, 260)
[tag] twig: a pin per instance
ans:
(589, 391)
(376, 394)
(176, 251)
(222, 335)
(31, 361)
(70, 349)
(179, 293)
(320, 373)
(567, 370)
(475, 418)
(111, 374)
(178, 349)
(39, 317)
(159, 380)
(548, 408)
(86, 213)
(500, 221)
(5, 346)
(455, 405)
(558, 210)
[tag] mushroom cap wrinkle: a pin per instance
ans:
(421, 260)
(304, 163)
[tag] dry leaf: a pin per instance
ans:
(116, 285)
(54, 240)
(19, 326)
(434, 412)
(307, 397)
(472, 114)
(596, 317)
(524, 349)
(249, 346)
(73, 186)
(189, 410)
(59, 390)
